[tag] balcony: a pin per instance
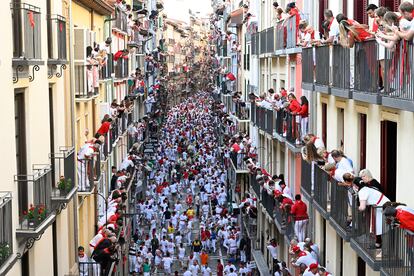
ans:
(308, 67)
(237, 162)
(293, 135)
(86, 81)
(306, 179)
(255, 185)
(36, 217)
(397, 252)
(89, 172)
(136, 41)
(240, 111)
(6, 230)
(364, 234)
(332, 79)
(121, 68)
(107, 69)
(398, 84)
(26, 34)
(269, 203)
(63, 174)
(367, 72)
(121, 21)
(322, 69)
(57, 52)
(286, 37)
(321, 191)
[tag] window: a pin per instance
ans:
(360, 14)
(340, 128)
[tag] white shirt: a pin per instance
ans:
(372, 196)
(342, 167)
(308, 273)
(334, 30)
(273, 251)
(306, 260)
(206, 271)
(167, 261)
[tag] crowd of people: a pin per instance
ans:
(185, 218)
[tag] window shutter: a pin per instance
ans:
(390, 4)
(360, 14)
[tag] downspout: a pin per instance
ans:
(72, 107)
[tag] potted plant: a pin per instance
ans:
(35, 215)
(4, 252)
(64, 186)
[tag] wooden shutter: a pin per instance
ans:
(323, 5)
(390, 4)
(360, 13)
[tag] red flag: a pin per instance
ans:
(31, 18)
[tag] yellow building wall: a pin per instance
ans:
(350, 263)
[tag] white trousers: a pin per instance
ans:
(300, 229)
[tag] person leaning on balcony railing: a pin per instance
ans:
(350, 31)
(307, 34)
(400, 216)
(406, 31)
(332, 27)
(388, 38)
(369, 180)
(313, 149)
(370, 196)
(342, 165)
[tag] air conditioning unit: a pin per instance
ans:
(82, 40)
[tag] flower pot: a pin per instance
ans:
(31, 223)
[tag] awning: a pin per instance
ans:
(236, 17)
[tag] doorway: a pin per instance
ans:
(389, 158)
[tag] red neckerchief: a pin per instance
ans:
(330, 24)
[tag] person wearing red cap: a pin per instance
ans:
(312, 270)
(302, 257)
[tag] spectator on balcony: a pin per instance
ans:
(342, 165)
(313, 149)
(121, 54)
(400, 216)
(304, 114)
(332, 27)
(406, 31)
(307, 34)
(371, 8)
(350, 31)
(84, 167)
(293, 11)
(323, 272)
(263, 102)
(370, 181)
(91, 70)
(104, 129)
(372, 197)
(300, 215)
(389, 38)
(83, 260)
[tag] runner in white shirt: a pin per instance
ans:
(167, 261)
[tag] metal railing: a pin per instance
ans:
(90, 268)
(241, 111)
(121, 20)
(86, 80)
(253, 112)
(114, 133)
(261, 117)
(291, 32)
(292, 128)
(269, 121)
(269, 202)
(366, 67)
(238, 160)
(57, 43)
(6, 230)
(322, 69)
(341, 212)
(108, 68)
(280, 36)
(306, 177)
(255, 185)
(89, 171)
(279, 121)
(255, 43)
(121, 68)
(397, 251)
(341, 70)
(270, 40)
(364, 227)
(308, 68)
(398, 82)
(39, 189)
(63, 171)
(26, 31)
(321, 190)
(263, 41)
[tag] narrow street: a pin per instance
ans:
(188, 171)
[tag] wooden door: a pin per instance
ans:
(389, 158)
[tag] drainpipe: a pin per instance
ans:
(72, 109)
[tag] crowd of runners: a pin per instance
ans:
(185, 226)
